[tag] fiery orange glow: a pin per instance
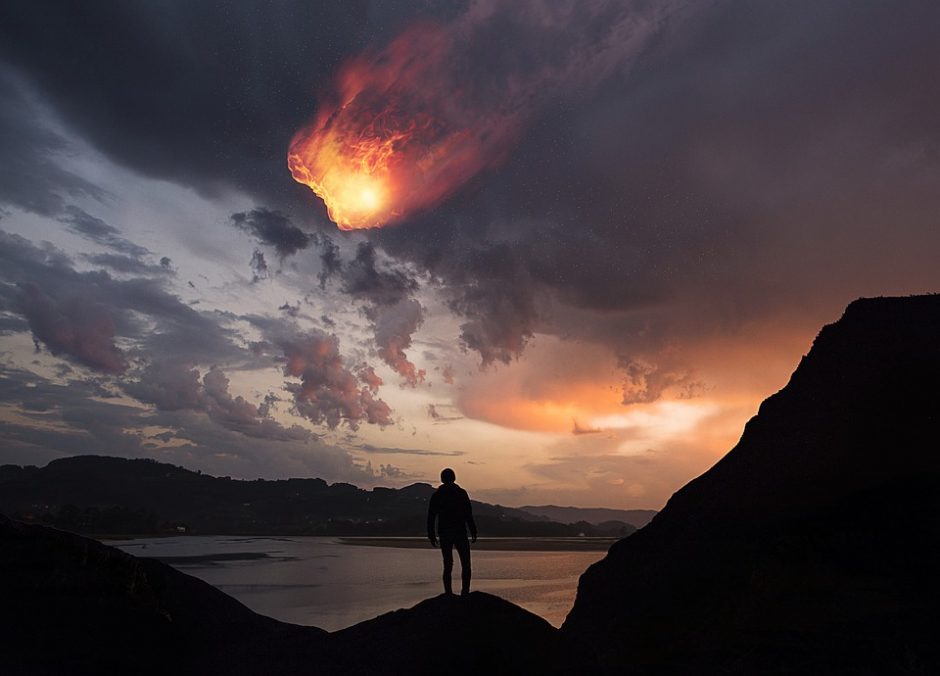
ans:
(399, 136)
(352, 171)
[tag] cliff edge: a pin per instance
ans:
(811, 546)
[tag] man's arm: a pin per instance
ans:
(432, 514)
(471, 524)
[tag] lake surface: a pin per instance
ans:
(322, 582)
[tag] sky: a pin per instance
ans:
(606, 232)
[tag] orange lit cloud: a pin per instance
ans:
(556, 383)
(573, 386)
(644, 447)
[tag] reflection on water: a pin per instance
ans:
(318, 581)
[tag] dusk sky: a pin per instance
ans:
(572, 245)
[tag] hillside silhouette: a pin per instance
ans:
(108, 495)
(592, 515)
(810, 548)
(72, 605)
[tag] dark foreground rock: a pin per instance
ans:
(812, 546)
(475, 634)
(71, 605)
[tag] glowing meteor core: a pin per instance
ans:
(399, 134)
(356, 191)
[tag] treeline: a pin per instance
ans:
(112, 519)
(105, 495)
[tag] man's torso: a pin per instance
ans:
(452, 504)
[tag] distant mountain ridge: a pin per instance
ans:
(592, 515)
(110, 495)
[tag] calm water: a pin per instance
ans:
(318, 581)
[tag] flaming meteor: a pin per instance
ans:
(408, 125)
(398, 139)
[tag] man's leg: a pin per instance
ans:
(447, 551)
(463, 549)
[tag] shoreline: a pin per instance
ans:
(506, 544)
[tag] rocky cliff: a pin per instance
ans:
(811, 546)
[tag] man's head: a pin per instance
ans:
(448, 476)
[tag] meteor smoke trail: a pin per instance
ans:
(411, 123)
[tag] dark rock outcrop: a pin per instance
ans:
(475, 634)
(71, 605)
(812, 546)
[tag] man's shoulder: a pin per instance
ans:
(450, 489)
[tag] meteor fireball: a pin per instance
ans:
(398, 137)
(407, 125)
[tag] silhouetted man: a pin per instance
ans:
(450, 505)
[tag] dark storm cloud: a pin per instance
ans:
(364, 279)
(81, 315)
(331, 390)
(10, 323)
(644, 382)
(330, 262)
(290, 310)
(259, 266)
(174, 386)
(238, 414)
(31, 174)
(127, 264)
(497, 297)
(169, 386)
(205, 93)
(393, 326)
(94, 229)
(273, 229)
(234, 129)
(759, 158)
(758, 155)
(71, 419)
(73, 326)
(386, 290)
(369, 448)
